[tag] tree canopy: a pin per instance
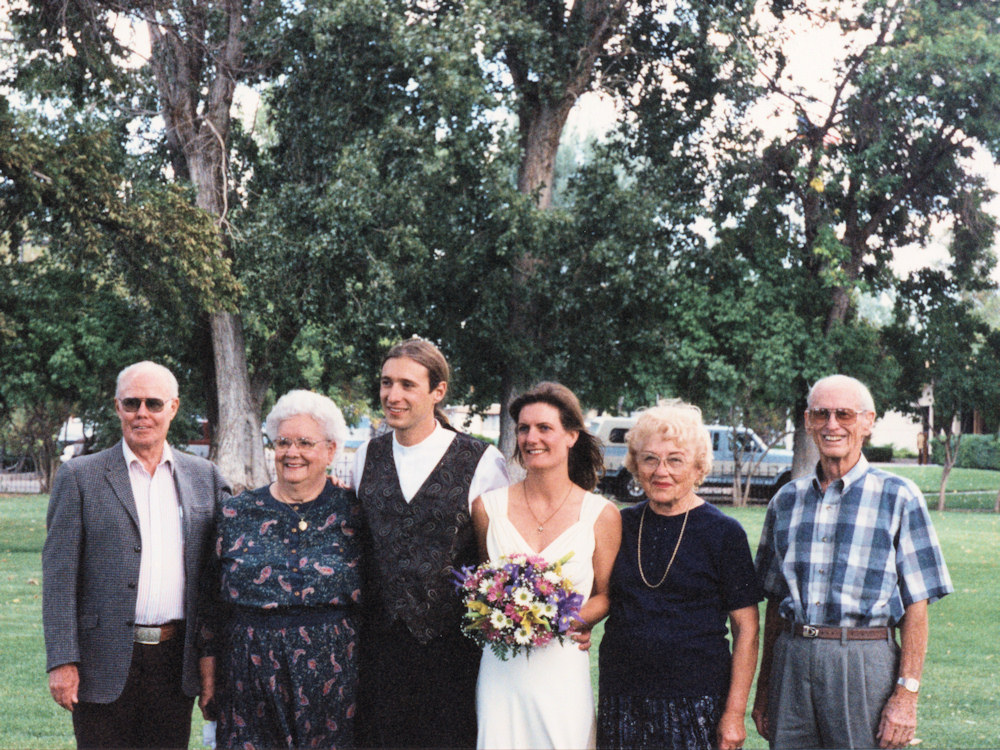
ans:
(399, 179)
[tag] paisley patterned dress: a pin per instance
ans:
(283, 627)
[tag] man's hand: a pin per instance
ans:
(899, 719)
(759, 715)
(731, 733)
(579, 631)
(64, 682)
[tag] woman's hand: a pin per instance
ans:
(206, 698)
(759, 715)
(732, 733)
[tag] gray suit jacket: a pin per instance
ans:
(90, 566)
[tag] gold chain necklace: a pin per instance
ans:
(303, 523)
(541, 524)
(638, 554)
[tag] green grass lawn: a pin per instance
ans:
(968, 489)
(928, 478)
(959, 705)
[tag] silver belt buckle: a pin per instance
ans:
(147, 636)
(808, 631)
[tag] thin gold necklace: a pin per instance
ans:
(541, 524)
(303, 523)
(638, 554)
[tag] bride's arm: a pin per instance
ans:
(607, 539)
(480, 523)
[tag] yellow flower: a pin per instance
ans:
(478, 607)
(817, 184)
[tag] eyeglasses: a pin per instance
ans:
(650, 462)
(845, 417)
(303, 444)
(132, 405)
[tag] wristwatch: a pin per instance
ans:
(909, 683)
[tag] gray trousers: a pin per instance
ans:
(829, 693)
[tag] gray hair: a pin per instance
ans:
(126, 374)
(315, 405)
(865, 400)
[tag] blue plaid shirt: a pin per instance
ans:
(854, 556)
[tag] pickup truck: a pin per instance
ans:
(773, 471)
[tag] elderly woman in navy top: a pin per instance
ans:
(281, 626)
(667, 677)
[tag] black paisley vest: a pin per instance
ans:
(417, 546)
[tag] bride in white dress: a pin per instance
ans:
(544, 698)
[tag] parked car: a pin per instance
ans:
(772, 468)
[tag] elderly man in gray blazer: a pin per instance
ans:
(128, 530)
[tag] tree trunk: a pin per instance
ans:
(196, 111)
(950, 456)
(945, 471)
(541, 119)
(541, 128)
(509, 393)
(805, 455)
(540, 135)
(239, 439)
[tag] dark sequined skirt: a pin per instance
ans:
(658, 723)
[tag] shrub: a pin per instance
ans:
(881, 454)
(974, 452)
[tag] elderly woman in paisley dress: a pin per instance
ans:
(280, 627)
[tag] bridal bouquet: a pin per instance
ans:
(517, 602)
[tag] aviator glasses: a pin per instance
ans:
(844, 417)
(132, 405)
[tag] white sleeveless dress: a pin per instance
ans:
(542, 699)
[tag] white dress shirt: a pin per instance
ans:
(161, 529)
(414, 463)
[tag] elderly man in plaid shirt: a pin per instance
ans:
(846, 556)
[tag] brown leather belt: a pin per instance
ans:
(847, 634)
(151, 635)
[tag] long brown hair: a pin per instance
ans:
(423, 352)
(586, 461)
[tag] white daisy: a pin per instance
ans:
(523, 596)
(500, 621)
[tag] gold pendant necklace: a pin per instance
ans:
(638, 554)
(303, 524)
(541, 524)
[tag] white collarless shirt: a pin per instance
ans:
(161, 530)
(414, 463)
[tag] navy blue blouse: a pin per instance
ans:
(276, 555)
(670, 642)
